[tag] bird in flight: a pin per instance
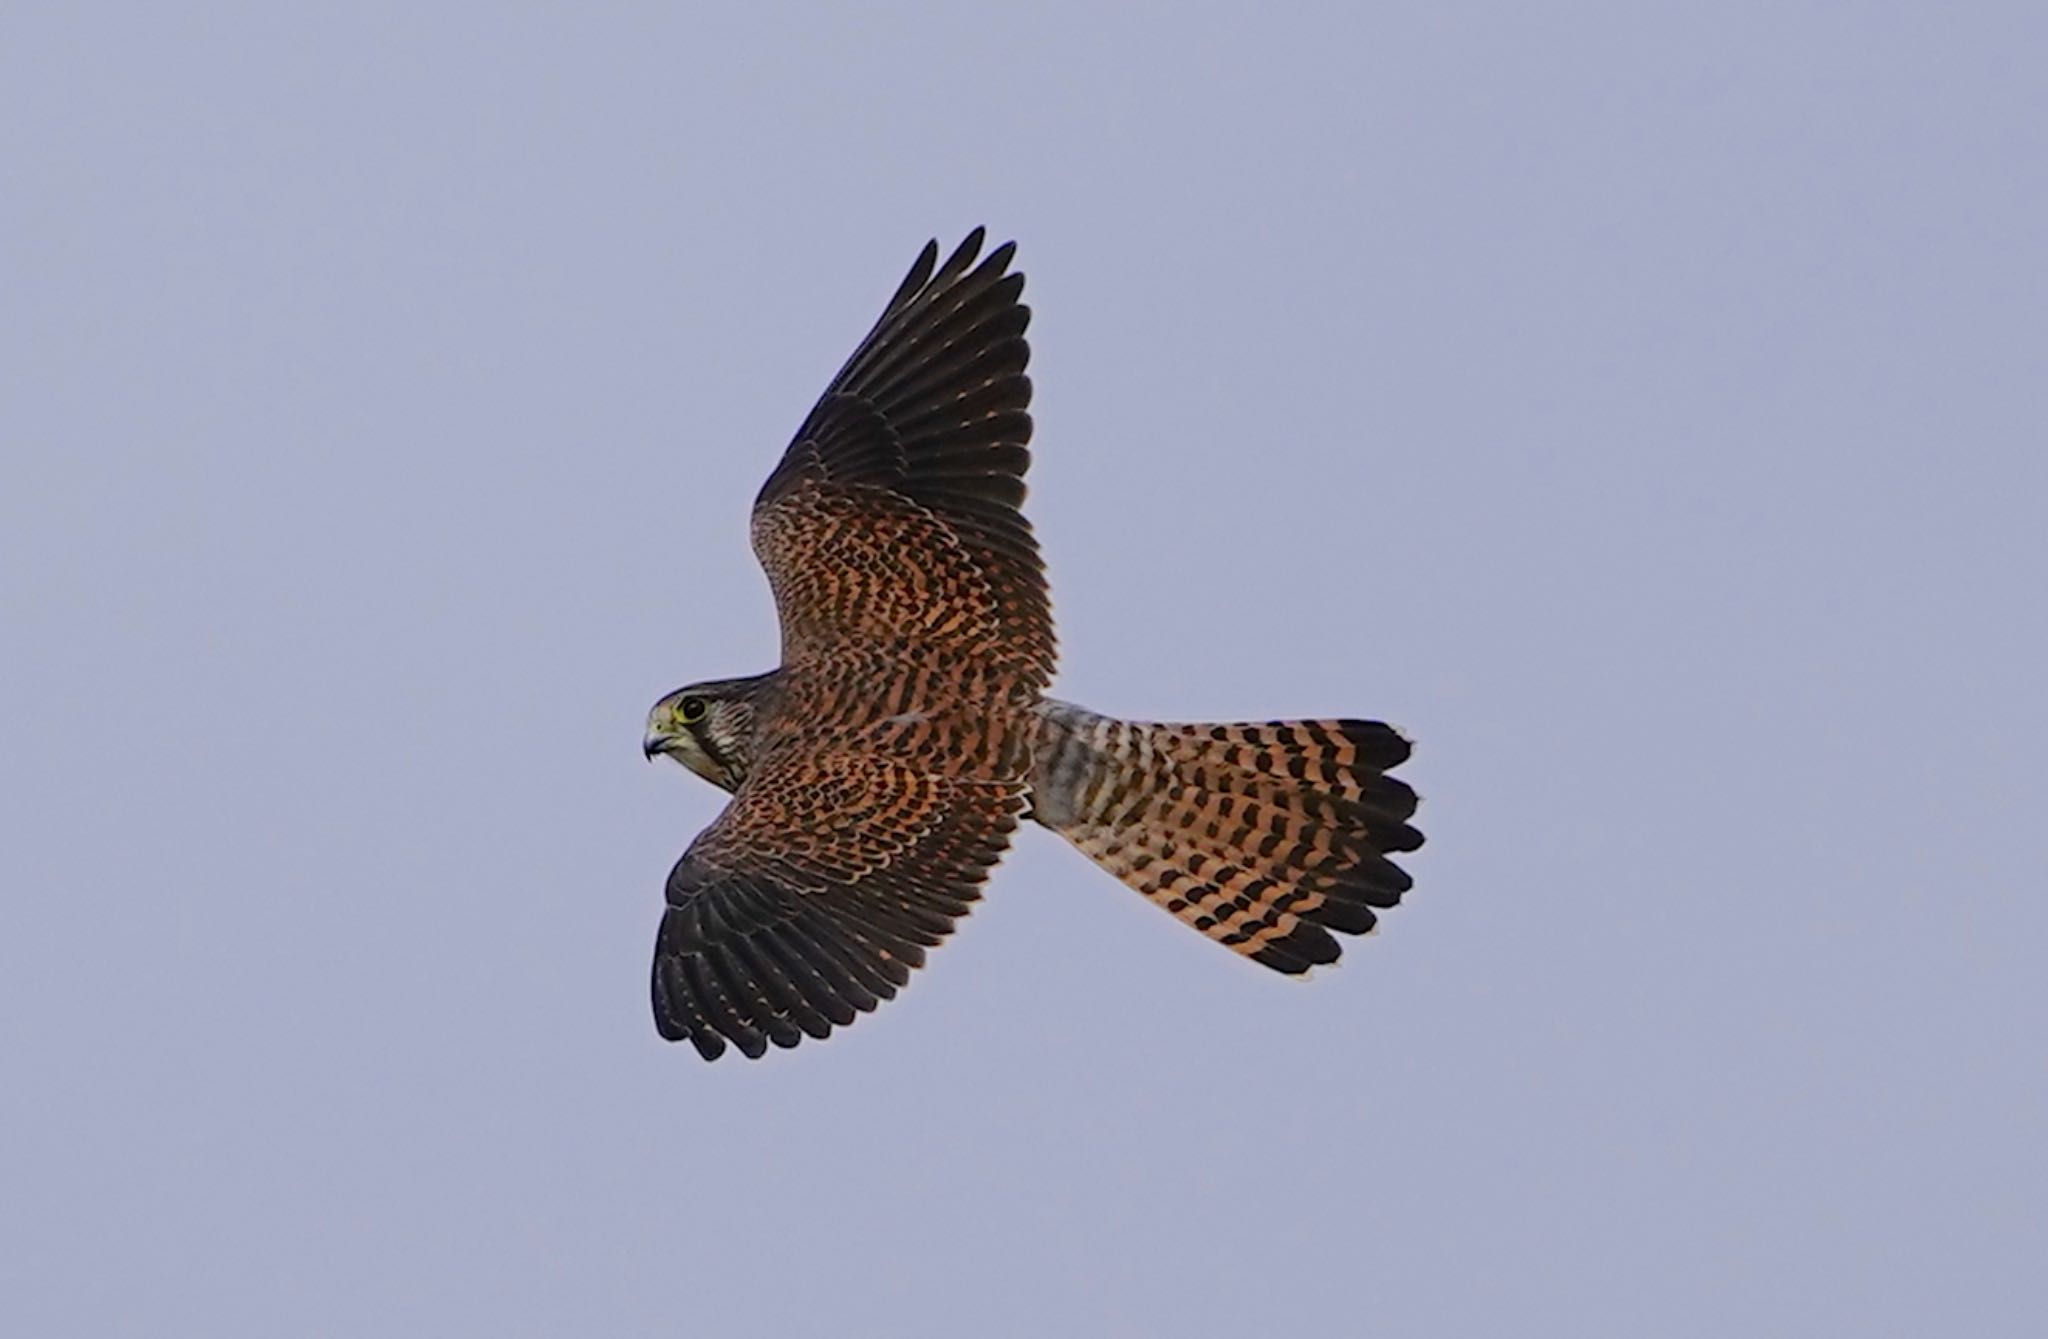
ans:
(878, 774)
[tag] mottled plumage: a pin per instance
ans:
(878, 774)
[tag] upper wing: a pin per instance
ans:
(893, 517)
(814, 895)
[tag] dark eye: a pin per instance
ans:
(690, 710)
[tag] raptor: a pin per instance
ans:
(878, 775)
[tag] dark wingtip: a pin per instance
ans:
(928, 273)
(958, 263)
(920, 274)
(1000, 258)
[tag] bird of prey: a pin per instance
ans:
(878, 774)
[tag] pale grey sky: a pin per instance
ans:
(1642, 405)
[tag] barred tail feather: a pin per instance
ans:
(1265, 837)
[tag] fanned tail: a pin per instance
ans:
(1265, 837)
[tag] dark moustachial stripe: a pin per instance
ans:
(879, 773)
(883, 773)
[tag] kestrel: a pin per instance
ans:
(877, 776)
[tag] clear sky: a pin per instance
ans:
(1642, 405)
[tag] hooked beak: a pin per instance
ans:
(655, 744)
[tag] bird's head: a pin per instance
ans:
(708, 728)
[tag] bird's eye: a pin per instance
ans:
(690, 710)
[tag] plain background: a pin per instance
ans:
(1641, 404)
